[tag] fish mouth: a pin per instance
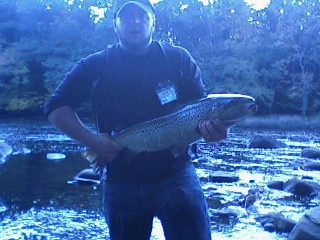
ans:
(253, 108)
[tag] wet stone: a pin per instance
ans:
(260, 141)
(198, 162)
(222, 177)
(5, 150)
(215, 201)
(301, 188)
(225, 216)
(310, 153)
(308, 227)
(307, 178)
(270, 227)
(278, 185)
(311, 167)
(276, 222)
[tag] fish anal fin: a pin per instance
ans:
(175, 151)
(190, 151)
(127, 155)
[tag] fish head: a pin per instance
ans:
(232, 108)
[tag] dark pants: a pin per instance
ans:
(178, 202)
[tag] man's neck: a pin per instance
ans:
(136, 50)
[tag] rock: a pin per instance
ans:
(276, 222)
(226, 216)
(198, 162)
(259, 141)
(86, 176)
(311, 167)
(221, 177)
(314, 216)
(301, 188)
(5, 150)
(278, 185)
(308, 227)
(214, 202)
(269, 227)
(253, 195)
(307, 177)
(310, 153)
(56, 156)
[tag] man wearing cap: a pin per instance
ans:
(133, 81)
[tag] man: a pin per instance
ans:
(136, 80)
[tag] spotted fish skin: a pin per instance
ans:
(179, 129)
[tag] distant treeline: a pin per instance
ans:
(272, 54)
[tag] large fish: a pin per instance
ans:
(179, 129)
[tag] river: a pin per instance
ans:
(36, 201)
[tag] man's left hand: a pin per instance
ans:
(213, 130)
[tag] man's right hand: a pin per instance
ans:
(66, 119)
(105, 149)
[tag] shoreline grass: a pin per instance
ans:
(281, 122)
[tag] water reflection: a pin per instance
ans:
(37, 203)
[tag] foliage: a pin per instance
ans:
(271, 54)
(296, 31)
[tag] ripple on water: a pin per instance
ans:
(50, 223)
(54, 224)
(255, 168)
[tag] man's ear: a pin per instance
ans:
(154, 25)
(115, 25)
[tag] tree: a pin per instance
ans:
(296, 30)
(228, 52)
(271, 54)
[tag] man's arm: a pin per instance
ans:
(66, 119)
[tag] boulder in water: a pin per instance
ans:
(259, 141)
(222, 177)
(301, 188)
(308, 227)
(311, 166)
(5, 150)
(56, 156)
(278, 185)
(276, 222)
(310, 153)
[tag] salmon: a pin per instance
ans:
(177, 130)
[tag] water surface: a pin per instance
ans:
(36, 202)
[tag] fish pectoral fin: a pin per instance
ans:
(175, 151)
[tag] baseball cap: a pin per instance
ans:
(146, 5)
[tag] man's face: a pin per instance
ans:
(134, 26)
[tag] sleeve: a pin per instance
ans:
(76, 87)
(191, 84)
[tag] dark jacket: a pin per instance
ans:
(126, 89)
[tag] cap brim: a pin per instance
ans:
(147, 9)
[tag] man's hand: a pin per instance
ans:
(101, 145)
(213, 130)
(105, 149)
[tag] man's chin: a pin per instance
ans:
(137, 44)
